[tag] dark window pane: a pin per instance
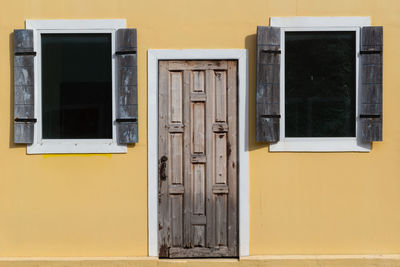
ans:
(76, 86)
(320, 75)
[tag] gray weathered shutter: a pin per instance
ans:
(267, 83)
(24, 112)
(371, 84)
(127, 108)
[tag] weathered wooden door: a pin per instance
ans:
(197, 207)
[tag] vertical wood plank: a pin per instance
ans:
(220, 96)
(176, 96)
(199, 189)
(199, 236)
(220, 158)
(210, 199)
(176, 155)
(177, 220)
(188, 196)
(221, 215)
(164, 218)
(232, 166)
(198, 126)
(198, 81)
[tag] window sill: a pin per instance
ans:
(79, 146)
(320, 145)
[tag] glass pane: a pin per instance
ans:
(320, 76)
(76, 86)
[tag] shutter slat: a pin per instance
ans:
(372, 39)
(127, 95)
(127, 132)
(23, 132)
(371, 84)
(127, 110)
(23, 41)
(126, 40)
(268, 84)
(23, 86)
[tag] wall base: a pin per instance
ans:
(252, 261)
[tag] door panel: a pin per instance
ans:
(197, 211)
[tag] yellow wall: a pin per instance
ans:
(300, 203)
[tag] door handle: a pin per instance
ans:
(163, 165)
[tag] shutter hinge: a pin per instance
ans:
(370, 52)
(126, 120)
(25, 120)
(25, 53)
(369, 116)
(125, 52)
(271, 51)
(275, 116)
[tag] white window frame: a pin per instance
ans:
(64, 146)
(153, 57)
(320, 144)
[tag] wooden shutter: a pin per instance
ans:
(127, 108)
(267, 83)
(371, 84)
(24, 111)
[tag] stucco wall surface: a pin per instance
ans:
(300, 203)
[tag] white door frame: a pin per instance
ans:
(153, 56)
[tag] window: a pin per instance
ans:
(76, 86)
(319, 84)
